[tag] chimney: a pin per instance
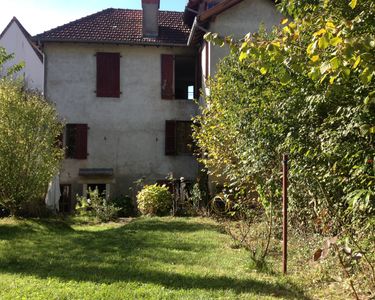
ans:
(150, 18)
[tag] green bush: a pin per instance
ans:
(125, 205)
(95, 205)
(29, 155)
(154, 200)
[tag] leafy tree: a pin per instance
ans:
(307, 88)
(29, 155)
(4, 58)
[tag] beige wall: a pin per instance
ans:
(239, 20)
(126, 133)
(15, 42)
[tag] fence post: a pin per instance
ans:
(285, 213)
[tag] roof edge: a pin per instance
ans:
(113, 42)
(27, 36)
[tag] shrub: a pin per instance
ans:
(154, 200)
(96, 206)
(29, 155)
(125, 205)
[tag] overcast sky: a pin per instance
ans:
(40, 15)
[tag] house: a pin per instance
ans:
(16, 40)
(124, 82)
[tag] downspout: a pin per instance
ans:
(193, 29)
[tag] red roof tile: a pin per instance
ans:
(119, 26)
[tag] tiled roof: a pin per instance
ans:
(119, 26)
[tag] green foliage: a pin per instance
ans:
(125, 206)
(95, 205)
(154, 200)
(29, 156)
(307, 89)
(4, 59)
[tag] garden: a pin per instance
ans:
(305, 89)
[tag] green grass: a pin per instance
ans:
(149, 258)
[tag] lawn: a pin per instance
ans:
(148, 258)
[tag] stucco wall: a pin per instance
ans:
(15, 42)
(126, 133)
(239, 20)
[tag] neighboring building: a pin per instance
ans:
(123, 81)
(233, 18)
(16, 40)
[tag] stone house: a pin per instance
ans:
(124, 82)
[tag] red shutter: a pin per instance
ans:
(108, 75)
(167, 74)
(81, 141)
(170, 138)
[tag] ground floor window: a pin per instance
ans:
(65, 202)
(103, 188)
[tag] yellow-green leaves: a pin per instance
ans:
(263, 70)
(353, 3)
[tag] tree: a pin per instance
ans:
(4, 58)
(29, 152)
(307, 88)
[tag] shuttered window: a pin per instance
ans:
(108, 74)
(76, 141)
(178, 137)
(167, 74)
(180, 77)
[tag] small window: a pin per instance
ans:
(178, 138)
(108, 75)
(100, 186)
(103, 189)
(76, 141)
(180, 79)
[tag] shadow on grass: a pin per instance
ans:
(143, 251)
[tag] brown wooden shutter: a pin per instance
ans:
(81, 141)
(108, 75)
(170, 138)
(167, 74)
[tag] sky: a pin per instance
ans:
(38, 16)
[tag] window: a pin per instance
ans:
(178, 138)
(76, 141)
(103, 189)
(108, 74)
(180, 77)
(65, 202)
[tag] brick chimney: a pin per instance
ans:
(150, 18)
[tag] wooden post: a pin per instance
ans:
(285, 213)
